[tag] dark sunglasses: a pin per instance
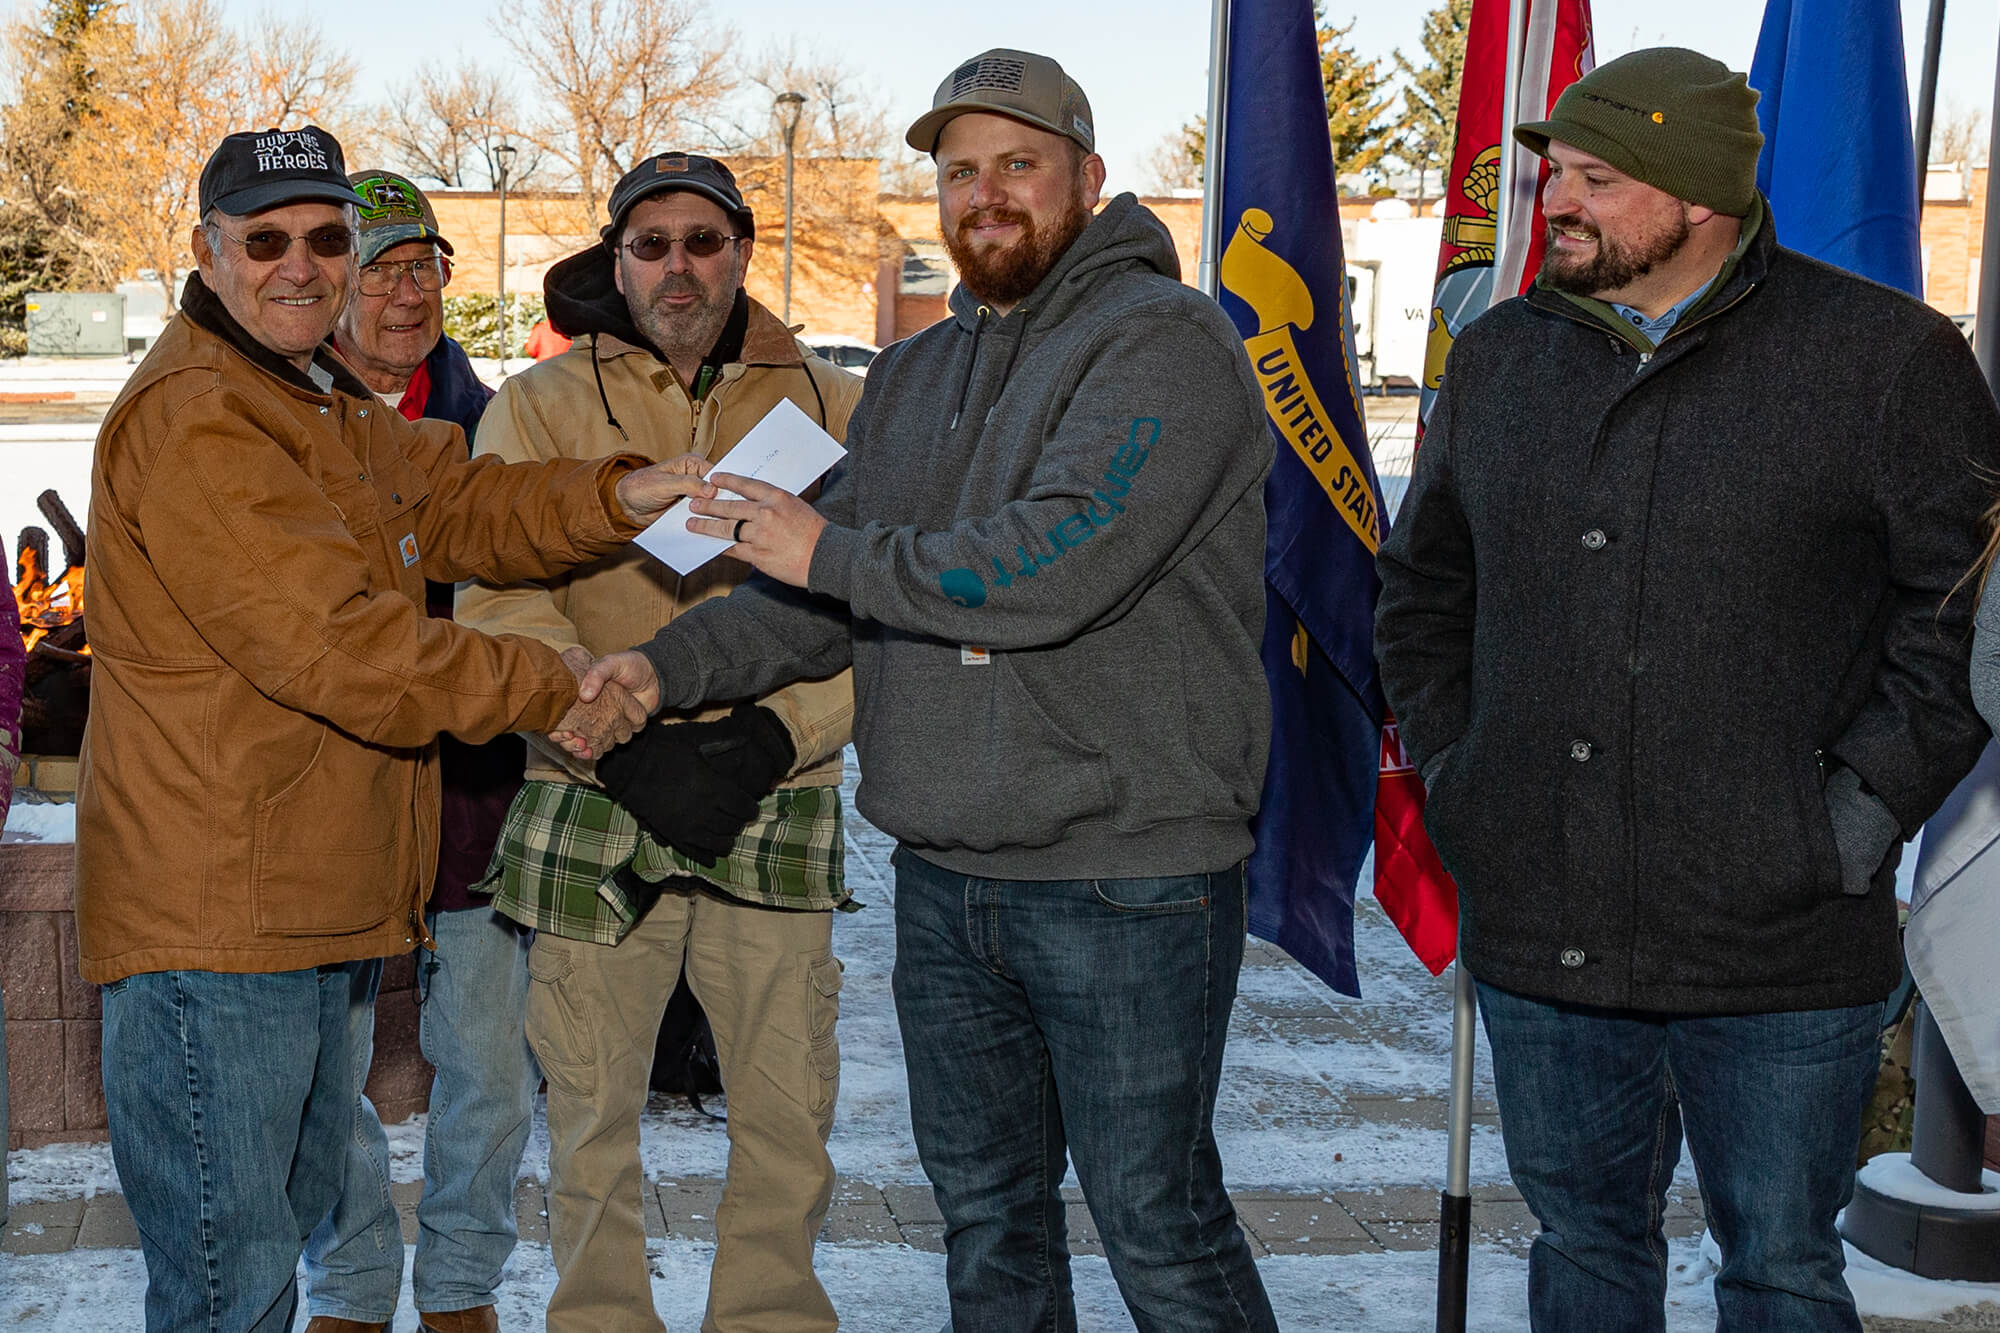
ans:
(702, 243)
(264, 246)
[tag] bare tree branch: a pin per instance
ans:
(620, 79)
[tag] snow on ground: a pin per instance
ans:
(895, 1289)
(51, 822)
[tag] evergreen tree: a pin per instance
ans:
(1357, 102)
(1429, 121)
(42, 222)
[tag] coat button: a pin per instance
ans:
(1593, 540)
(322, 411)
(395, 497)
(1572, 958)
(362, 413)
(1580, 751)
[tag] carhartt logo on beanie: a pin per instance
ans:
(1673, 118)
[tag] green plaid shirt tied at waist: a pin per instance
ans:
(556, 865)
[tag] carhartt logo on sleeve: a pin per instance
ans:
(408, 546)
(970, 656)
(967, 587)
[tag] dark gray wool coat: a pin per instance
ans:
(1648, 612)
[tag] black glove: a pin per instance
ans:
(695, 785)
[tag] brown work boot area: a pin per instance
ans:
(326, 1323)
(479, 1319)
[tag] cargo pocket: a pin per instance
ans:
(558, 1028)
(822, 1043)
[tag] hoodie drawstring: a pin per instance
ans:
(965, 383)
(1013, 355)
(602, 397)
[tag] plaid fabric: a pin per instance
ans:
(557, 862)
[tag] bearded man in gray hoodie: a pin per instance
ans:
(1043, 557)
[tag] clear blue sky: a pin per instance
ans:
(1143, 62)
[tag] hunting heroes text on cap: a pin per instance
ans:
(260, 169)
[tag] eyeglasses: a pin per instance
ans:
(382, 279)
(701, 243)
(265, 246)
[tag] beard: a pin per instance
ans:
(1007, 274)
(684, 335)
(1617, 264)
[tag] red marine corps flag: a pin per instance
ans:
(1492, 243)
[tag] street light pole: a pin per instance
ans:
(503, 162)
(789, 105)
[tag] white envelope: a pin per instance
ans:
(786, 449)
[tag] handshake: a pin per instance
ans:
(693, 786)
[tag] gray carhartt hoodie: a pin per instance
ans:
(1045, 560)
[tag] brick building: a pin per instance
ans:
(865, 265)
(1954, 220)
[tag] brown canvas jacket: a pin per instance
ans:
(259, 783)
(553, 410)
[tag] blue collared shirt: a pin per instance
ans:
(1656, 330)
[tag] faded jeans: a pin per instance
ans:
(229, 1099)
(1592, 1108)
(474, 992)
(1081, 1019)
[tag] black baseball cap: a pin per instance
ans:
(665, 172)
(260, 169)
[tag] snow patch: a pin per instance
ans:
(1895, 1176)
(40, 822)
(894, 1287)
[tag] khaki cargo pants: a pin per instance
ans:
(771, 987)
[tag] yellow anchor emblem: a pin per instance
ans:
(1283, 303)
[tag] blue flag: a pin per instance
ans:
(1839, 166)
(1284, 282)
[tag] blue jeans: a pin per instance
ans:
(1084, 1018)
(229, 1098)
(1593, 1103)
(474, 991)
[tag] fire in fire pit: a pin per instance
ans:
(56, 700)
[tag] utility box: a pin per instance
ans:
(75, 324)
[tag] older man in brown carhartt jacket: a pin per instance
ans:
(259, 796)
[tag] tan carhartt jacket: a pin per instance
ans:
(554, 410)
(259, 787)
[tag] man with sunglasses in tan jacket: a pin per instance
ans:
(258, 808)
(714, 842)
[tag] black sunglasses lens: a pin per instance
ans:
(265, 246)
(650, 247)
(330, 242)
(704, 243)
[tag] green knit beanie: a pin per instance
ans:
(1667, 116)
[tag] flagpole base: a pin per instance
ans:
(1454, 1259)
(1902, 1218)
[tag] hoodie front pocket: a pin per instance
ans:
(967, 756)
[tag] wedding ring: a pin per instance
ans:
(737, 535)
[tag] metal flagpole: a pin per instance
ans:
(1455, 1203)
(1927, 96)
(1211, 164)
(1986, 328)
